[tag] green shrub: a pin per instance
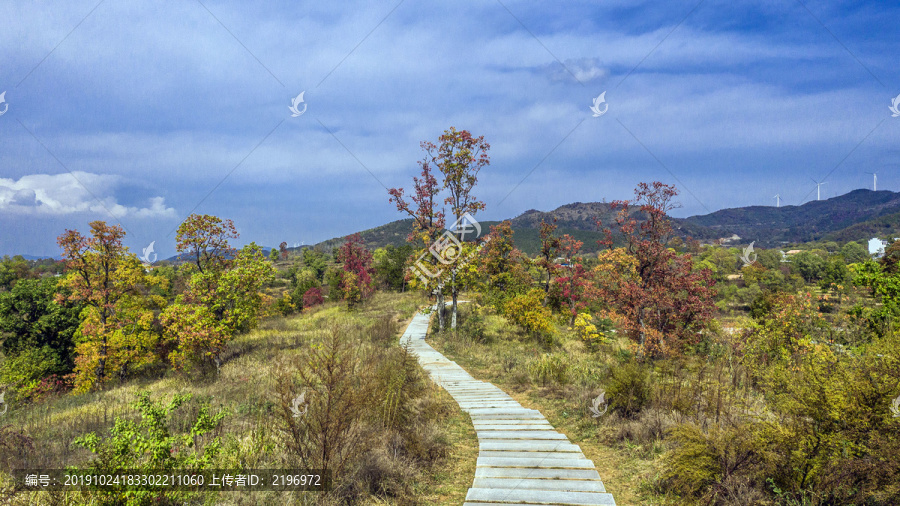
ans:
(285, 304)
(473, 325)
(25, 370)
(150, 445)
(700, 462)
(628, 389)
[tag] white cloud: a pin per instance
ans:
(78, 192)
(582, 69)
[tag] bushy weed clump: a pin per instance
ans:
(370, 418)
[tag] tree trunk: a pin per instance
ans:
(453, 315)
(100, 370)
(642, 335)
(440, 307)
(454, 293)
(547, 290)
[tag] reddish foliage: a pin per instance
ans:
(575, 286)
(576, 289)
(668, 301)
(358, 260)
(427, 219)
(460, 157)
(313, 297)
(50, 385)
(94, 261)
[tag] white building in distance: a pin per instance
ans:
(877, 246)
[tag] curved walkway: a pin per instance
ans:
(521, 459)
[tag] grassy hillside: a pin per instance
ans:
(430, 459)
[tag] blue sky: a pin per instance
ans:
(140, 113)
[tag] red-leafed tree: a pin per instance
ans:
(574, 283)
(313, 297)
(668, 302)
(459, 156)
(356, 281)
(282, 248)
(428, 218)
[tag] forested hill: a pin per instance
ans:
(857, 215)
(854, 216)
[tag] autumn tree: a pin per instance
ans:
(575, 286)
(428, 219)
(282, 248)
(204, 240)
(223, 293)
(668, 301)
(356, 281)
(549, 250)
(614, 268)
(501, 267)
(890, 261)
(460, 157)
(117, 328)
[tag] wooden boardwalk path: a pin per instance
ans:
(522, 459)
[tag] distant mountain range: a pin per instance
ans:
(34, 257)
(860, 214)
(855, 216)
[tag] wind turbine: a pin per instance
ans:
(818, 189)
(777, 200)
(874, 180)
